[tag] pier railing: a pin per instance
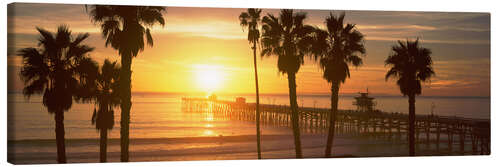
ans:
(451, 135)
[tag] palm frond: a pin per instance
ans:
(52, 69)
(149, 38)
(411, 64)
(340, 45)
(287, 38)
(125, 28)
(151, 15)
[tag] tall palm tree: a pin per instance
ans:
(124, 28)
(337, 48)
(410, 64)
(50, 70)
(100, 85)
(288, 38)
(251, 20)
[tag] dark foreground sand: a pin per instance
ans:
(209, 148)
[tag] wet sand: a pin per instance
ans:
(203, 148)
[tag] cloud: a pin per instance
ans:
(424, 40)
(460, 43)
(212, 29)
(434, 27)
(394, 27)
(223, 23)
(23, 18)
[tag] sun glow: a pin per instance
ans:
(208, 133)
(209, 78)
(209, 117)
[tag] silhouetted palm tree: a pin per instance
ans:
(50, 70)
(289, 39)
(106, 98)
(251, 19)
(124, 28)
(336, 49)
(410, 64)
(100, 85)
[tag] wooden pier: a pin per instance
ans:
(447, 135)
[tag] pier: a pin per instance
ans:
(444, 134)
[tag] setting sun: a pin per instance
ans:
(208, 77)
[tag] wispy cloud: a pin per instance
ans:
(395, 27)
(212, 29)
(460, 43)
(422, 39)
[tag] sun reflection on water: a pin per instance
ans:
(209, 117)
(208, 133)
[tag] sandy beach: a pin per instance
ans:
(207, 148)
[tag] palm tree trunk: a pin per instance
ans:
(125, 84)
(61, 147)
(411, 122)
(257, 110)
(295, 114)
(333, 116)
(104, 144)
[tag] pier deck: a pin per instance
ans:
(455, 135)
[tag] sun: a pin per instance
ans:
(209, 78)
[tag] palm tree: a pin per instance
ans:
(124, 28)
(410, 64)
(336, 49)
(100, 85)
(50, 70)
(107, 98)
(251, 19)
(289, 39)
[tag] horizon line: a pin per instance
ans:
(286, 94)
(302, 94)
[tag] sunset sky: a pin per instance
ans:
(207, 45)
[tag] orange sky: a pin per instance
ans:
(201, 42)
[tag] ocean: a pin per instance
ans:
(159, 126)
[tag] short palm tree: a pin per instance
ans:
(410, 64)
(336, 49)
(106, 98)
(251, 20)
(125, 28)
(288, 38)
(100, 85)
(50, 70)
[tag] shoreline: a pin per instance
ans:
(193, 139)
(190, 148)
(197, 139)
(213, 148)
